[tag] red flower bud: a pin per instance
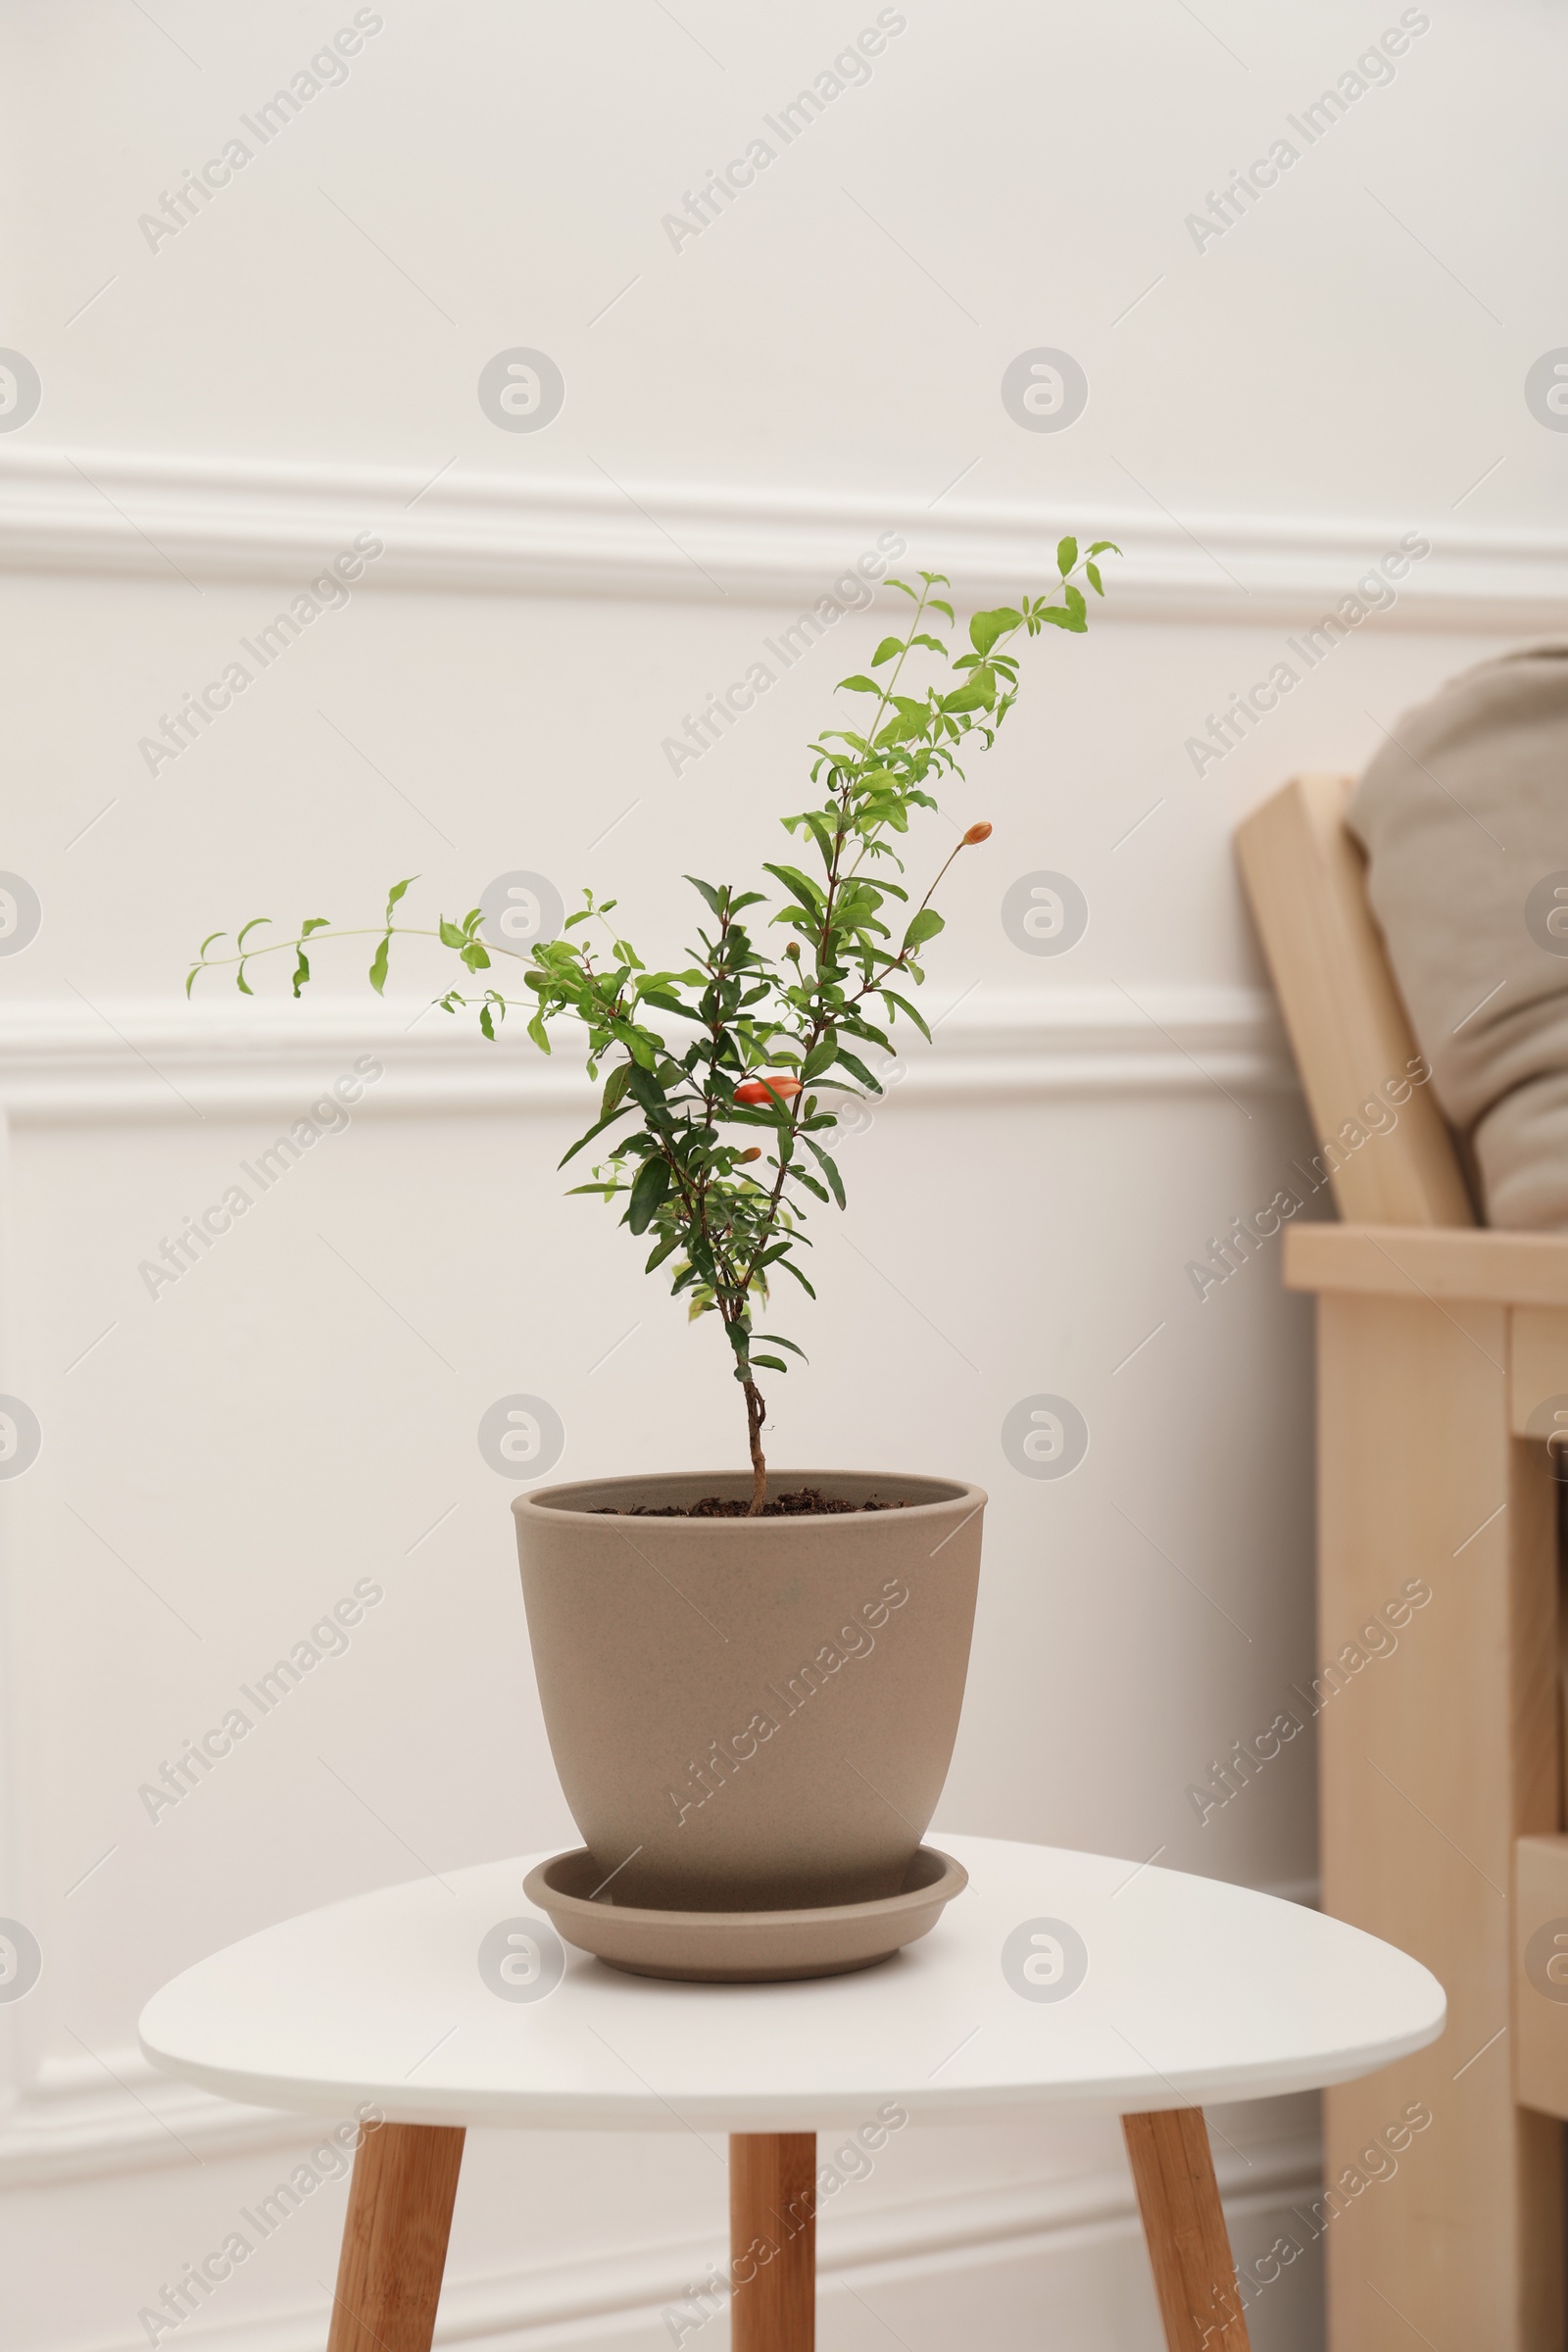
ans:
(976, 834)
(767, 1090)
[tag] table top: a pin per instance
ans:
(1056, 1980)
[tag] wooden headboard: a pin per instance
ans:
(1306, 878)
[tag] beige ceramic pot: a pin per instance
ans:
(750, 1713)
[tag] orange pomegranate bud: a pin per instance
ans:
(976, 834)
(767, 1090)
(755, 1152)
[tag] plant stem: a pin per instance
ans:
(755, 1414)
(318, 939)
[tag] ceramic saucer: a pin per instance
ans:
(741, 1947)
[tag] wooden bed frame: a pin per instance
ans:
(1442, 1372)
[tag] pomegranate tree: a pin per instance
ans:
(722, 1077)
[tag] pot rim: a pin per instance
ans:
(540, 1500)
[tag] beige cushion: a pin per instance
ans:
(1465, 816)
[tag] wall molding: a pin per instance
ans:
(74, 2122)
(107, 512)
(68, 1061)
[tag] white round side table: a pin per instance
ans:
(1059, 1980)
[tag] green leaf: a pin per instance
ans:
(987, 628)
(925, 925)
(776, 1339)
(823, 838)
(606, 1118)
(190, 978)
(450, 935)
(475, 956)
(771, 1364)
(487, 1028)
(207, 943)
(302, 972)
(800, 885)
(395, 893)
(316, 922)
(859, 1070)
(642, 1084)
(886, 651)
(648, 1191)
(539, 1034)
(1092, 575)
(859, 684)
(379, 964)
(662, 1250)
(708, 892)
(1066, 555)
(254, 924)
(1104, 547)
(790, 1267)
(905, 1006)
(833, 1176)
(615, 1086)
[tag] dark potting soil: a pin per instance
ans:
(805, 1502)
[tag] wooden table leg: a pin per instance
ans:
(772, 2241)
(395, 2238)
(1184, 2226)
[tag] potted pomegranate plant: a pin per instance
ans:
(752, 1682)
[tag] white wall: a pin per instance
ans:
(222, 1461)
